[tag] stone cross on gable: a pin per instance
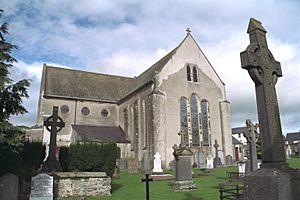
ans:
(264, 71)
(250, 135)
(53, 124)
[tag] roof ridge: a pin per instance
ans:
(88, 72)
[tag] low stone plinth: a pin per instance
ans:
(272, 183)
(81, 184)
(183, 186)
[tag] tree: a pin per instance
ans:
(11, 94)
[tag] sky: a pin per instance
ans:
(125, 37)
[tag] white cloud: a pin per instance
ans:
(126, 37)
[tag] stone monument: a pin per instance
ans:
(274, 180)
(209, 161)
(250, 135)
(53, 124)
(41, 187)
(157, 163)
(217, 160)
(9, 187)
(183, 156)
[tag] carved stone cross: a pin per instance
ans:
(216, 147)
(264, 71)
(250, 135)
(181, 134)
(53, 124)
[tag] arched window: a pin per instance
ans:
(195, 74)
(184, 119)
(205, 121)
(195, 120)
(188, 73)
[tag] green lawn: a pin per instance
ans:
(130, 187)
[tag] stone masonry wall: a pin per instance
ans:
(81, 184)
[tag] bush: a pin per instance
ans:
(24, 162)
(89, 157)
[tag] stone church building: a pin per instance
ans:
(180, 92)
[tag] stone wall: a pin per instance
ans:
(81, 184)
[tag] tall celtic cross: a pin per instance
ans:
(53, 124)
(264, 71)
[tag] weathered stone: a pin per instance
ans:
(132, 166)
(53, 124)
(274, 180)
(250, 135)
(184, 180)
(81, 184)
(41, 187)
(229, 161)
(9, 185)
(217, 160)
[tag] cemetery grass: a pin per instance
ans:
(130, 187)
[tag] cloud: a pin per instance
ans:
(126, 37)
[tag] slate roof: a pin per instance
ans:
(67, 83)
(238, 130)
(60, 82)
(87, 133)
(293, 136)
(235, 141)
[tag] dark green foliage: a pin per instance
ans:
(11, 93)
(89, 157)
(25, 162)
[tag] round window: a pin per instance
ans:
(64, 109)
(85, 111)
(104, 113)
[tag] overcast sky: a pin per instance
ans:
(127, 37)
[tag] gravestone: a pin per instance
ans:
(289, 150)
(229, 161)
(132, 166)
(122, 163)
(53, 124)
(9, 187)
(201, 159)
(250, 135)
(157, 163)
(209, 161)
(241, 167)
(221, 156)
(217, 160)
(183, 156)
(274, 180)
(41, 187)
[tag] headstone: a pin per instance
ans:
(157, 163)
(250, 135)
(53, 124)
(184, 180)
(41, 187)
(132, 166)
(221, 156)
(289, 150)
(172, 165)
(217, 160)
(122, 164)
(209, 161)
(241, 167)
(229, 161)
(274, 180)
(201, 159)
(9, 187)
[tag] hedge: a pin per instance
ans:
(89, 157)
(23, 163)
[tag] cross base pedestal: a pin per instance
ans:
(51, 165)
(272, 184)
